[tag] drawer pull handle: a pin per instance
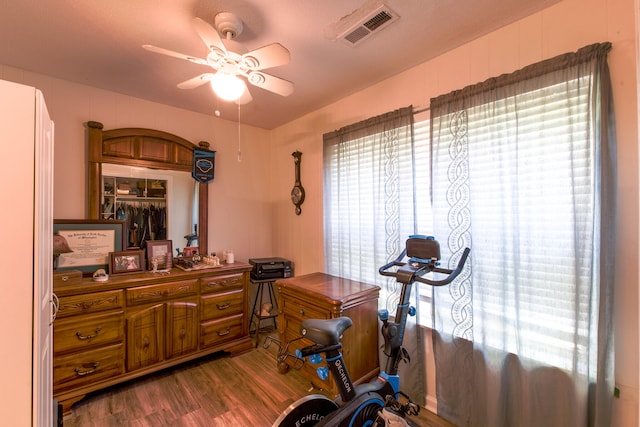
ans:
(302, 312)
(227, 332)
(223, 306)
(88, 337)
(92, 368)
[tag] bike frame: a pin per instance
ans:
(424, 254)
(364, 401)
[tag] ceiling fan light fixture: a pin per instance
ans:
(233, 61)
(227, 86)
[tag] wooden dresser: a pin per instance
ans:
(322, 296)
(136, 324)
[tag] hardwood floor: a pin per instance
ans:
(245, 390)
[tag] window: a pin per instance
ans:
(524, 173)
(530, 184)
(422, 153)
(518, 175)
(520, 168)
(377, 193)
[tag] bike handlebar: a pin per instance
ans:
(417, 269)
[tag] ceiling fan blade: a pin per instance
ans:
(271, 83)
(246, 96)
(268, 56)
(179, 55)
(196, 81)
(209, 35)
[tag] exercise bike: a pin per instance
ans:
(362, 405)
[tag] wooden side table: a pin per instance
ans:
(322, 296)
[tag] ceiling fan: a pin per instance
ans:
(230, 60)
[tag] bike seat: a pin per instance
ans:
(325, 331)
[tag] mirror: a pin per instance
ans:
(147, 155)
(171, 195)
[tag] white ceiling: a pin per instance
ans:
(98, 43)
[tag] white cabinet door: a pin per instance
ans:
(43, 268)
(26, 260)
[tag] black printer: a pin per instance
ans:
(270, 268)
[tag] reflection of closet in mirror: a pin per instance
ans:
(157, 204)
(154, 150)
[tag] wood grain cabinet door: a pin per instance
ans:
(181, 328)
(144, 337)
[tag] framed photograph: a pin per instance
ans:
(189, 251)
(91, 241)
(126, 262)
(160, 251)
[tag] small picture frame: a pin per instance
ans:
(126, 262)
(189, 251)
(161, 252)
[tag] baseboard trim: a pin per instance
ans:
(432, 404)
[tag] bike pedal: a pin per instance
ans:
(404, 355)
(298, 361)
(411, 409)
(269, 339)
(388, 418)
(403, 409)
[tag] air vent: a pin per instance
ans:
(368, 24)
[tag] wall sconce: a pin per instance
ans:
(227, 86)
(60, 246)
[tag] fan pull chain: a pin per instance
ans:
(239, 150)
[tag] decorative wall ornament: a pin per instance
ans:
(297, 193)
(203, 163)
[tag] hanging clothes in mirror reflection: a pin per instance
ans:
(145, 221)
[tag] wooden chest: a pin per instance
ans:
(322, 296)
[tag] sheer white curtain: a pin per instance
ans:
(370, 210)
(524, 174)
(368, 194)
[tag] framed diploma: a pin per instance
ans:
(91, 242)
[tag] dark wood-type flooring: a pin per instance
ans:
(245, 390)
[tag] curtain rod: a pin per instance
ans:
(421, 110)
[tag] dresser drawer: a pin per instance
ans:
(216, 306)
(80, 369)
(300, 311)
(90, 303)
(161, 292)
(85, 332)
(221, 283)
(218, 331)
(295, 312)
(66, 278)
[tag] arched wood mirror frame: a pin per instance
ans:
(142, 148)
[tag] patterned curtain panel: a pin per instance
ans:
(524, 173)
(368, 196)
(369, 212)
